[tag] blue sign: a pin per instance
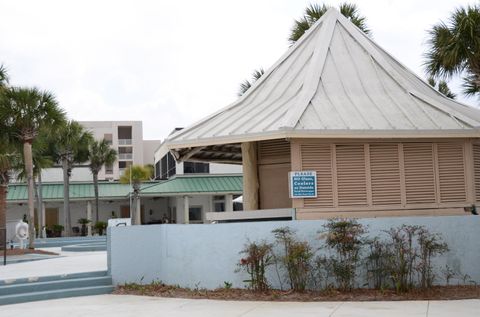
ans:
(303, 184)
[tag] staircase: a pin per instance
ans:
(52, 287)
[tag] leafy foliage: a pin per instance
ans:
(315, 11)
(257, 258)
(257, 73)
(454, 48)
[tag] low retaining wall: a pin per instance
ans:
(206, 255)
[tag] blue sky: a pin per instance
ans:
(170, 63)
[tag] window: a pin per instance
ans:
(108, 137)
(109, 169)
(168, 166)
(195, 167)
(123, 165)
(195, 214)
(237, 205)
(218, 203)
(157, 170)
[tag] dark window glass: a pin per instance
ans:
(195, 167)
(164, 167)
(195, 213)
(157, 170)
(171, 165)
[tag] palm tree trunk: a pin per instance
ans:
(95, 188)
(41, 218)
(3, 214)
(66, 198)
(136, 188)
(27, 154)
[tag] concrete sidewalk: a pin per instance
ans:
(69, 262)
(123, 305)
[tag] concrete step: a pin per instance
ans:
(55, 294)
(31, 287)
(86, 247)
(35, 279)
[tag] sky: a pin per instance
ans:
(171, 63)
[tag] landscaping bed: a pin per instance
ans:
(433, 293)
(28, 251)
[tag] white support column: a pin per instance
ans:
(228, 202)
(138, 213)
(42, 228)
(186, 209)
(89, 217)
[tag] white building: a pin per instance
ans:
(126, 137)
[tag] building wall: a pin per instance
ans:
(371, 177)
(208, 255)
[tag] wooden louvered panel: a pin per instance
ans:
(351, 176)
(385, 174)
(451, 172)
(318, 157)
(277, 150)
(419, 173)
(476, 166)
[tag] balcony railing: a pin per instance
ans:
(125, 156)
(124, 141)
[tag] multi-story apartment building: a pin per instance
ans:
(126, 137)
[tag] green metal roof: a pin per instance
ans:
(113, 190)
(196, 184)
(78, 191)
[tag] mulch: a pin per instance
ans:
(435, 293)
(27, 251)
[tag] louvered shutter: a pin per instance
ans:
(451, 171)
(351, 176)
(272, 151)
(318, 157)
(385, 174)
(476, 166)
(419, 173)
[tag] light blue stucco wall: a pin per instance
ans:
(206, 255)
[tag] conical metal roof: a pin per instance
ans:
(334, 82)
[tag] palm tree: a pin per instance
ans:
(70, 147)
(42, 159)
(135, 175)
(3, 77)
(442, 87)
(257, 73)
(25, 111)
(315, 11)
(454, 48)
(99, 154)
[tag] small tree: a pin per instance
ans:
(257, 257)
(99, 154)
(135, 175)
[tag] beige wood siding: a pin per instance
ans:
(451, 171)
(319, 158)
(273, 167)
(385, 174)
(351, 176)
(376, 176)
(419, 173)
(476, 166)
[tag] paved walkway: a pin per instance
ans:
(120, 305)
(69, 262)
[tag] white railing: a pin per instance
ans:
(125, 156)
(124, 141)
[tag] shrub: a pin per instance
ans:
(296, 258)
(376, 263)
(100, 226)
(257, 257)
(431, 245)
(344, 237)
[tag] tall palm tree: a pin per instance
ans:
(315, 11)
(99, 154)
(454, 48)
(3, 77)
(257, 73)
(135, 174)
(70, 147)
(42, 159)
(25, 111)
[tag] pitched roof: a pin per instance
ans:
(334, 82)
(194, 184)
